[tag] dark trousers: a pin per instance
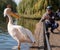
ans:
(52, 26)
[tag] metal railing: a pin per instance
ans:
(46, 39)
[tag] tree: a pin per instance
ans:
(3, 4)
(35, 8)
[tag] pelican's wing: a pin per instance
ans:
(30, 34)
(27, 32)
(18, 34)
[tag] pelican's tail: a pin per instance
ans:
(30, 35)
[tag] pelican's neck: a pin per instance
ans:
(10, 20)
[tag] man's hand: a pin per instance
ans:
(47, 17)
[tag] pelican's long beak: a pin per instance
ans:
(14, 15)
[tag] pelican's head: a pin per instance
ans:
(8, 11)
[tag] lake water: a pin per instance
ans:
(8, 43)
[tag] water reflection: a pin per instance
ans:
(7, 43)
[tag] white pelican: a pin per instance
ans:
(19, 33)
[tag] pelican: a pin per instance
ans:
(19, 33)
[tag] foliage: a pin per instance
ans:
(35, 8)
(3, 4)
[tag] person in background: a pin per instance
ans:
(49, 19)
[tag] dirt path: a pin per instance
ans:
(54, 40)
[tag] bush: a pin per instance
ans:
(35, 8)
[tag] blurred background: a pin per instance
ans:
(30, 12)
